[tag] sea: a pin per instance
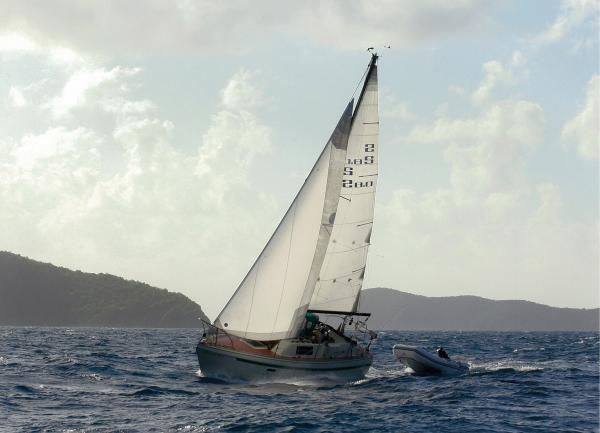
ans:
(148, 380)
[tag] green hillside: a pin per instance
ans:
(40, 294)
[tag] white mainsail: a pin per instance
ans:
(272, 300)
(341, 277)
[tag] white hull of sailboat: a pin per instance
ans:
(231, 365)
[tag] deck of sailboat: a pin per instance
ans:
(310, 350)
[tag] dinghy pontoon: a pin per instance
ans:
(422, 362)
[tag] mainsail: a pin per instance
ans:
(272, 300)
(341, 277)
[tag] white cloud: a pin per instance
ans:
(14, 43)
(11, 42)
(510, 123)
(65, 56)
(495, 75)
(485, 152)
(44, 179)
(119, 105)
(492, 230)
(574, 13)
(16, 98)
(398, 111)
(56, 145)
(517, 246)
(209, 26)
(584, 128)
(23, 96)
(349, 25)
(86, 81)
(165, 214)
(498, 75)
(456, 90)
(240, 93)
(517, 58)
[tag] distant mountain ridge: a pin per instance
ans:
(33, 293)
(395, 310)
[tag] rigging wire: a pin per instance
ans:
(360, 81)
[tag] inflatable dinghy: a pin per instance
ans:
(423, 362)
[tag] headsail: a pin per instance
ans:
(271, 301)
(342, 273)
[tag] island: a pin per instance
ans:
(396, 310)
(33, 293)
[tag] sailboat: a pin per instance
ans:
(280, 322)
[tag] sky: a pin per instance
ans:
(162, 141)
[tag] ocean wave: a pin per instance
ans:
(104, 380)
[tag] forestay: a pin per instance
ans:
(341, 277)
(272, 300)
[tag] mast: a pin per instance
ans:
(370, 69)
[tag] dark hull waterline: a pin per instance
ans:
(226, 364)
